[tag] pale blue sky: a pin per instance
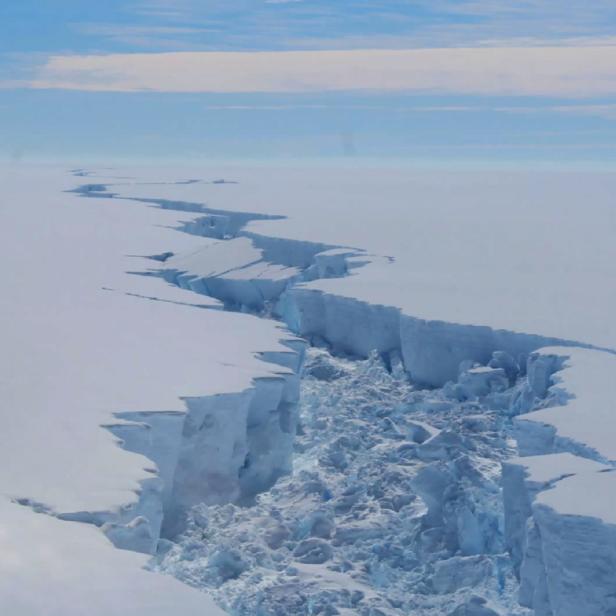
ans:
(51, 106)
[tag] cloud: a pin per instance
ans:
(260, 24)
(606, 111)
(535, 71)
(152, 38)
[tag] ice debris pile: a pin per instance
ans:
(393, 507)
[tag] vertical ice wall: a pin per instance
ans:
(272, 275)
(225, 448)
(257, 278)
(559, 515)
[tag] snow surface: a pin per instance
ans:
(551, 467)
(54, 568)
(521, 251)
(584, 495)
(589, 411)
(76, 350)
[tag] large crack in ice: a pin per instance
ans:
(392, 504)
(270, 280)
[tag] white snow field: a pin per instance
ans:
(155, 325)
(77, 350)
(516, 251)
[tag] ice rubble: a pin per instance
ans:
(397, 505)
(393, 506)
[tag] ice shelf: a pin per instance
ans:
(152, 320)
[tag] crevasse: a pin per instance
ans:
(395, 503)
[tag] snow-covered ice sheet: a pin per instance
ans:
(82, 340)
(522, 251)
(542, 470)
(75, 352)
(505, 253)
(585, 386)
(559, 504)
(54, 568)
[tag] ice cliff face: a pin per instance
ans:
(559, 519)
(273, 276)
(225, 448)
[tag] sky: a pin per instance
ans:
(470, 82)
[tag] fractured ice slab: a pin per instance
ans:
(559, 514)
(577, 525)
(364, 524)
(475, 606)
(523, 479)
(432, 350)
(482, 381)
(98, 362)
(461, 572)
(579, 412)
(251, 272)
(348, 325)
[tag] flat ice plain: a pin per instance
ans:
(466, 263)
(527, 252)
